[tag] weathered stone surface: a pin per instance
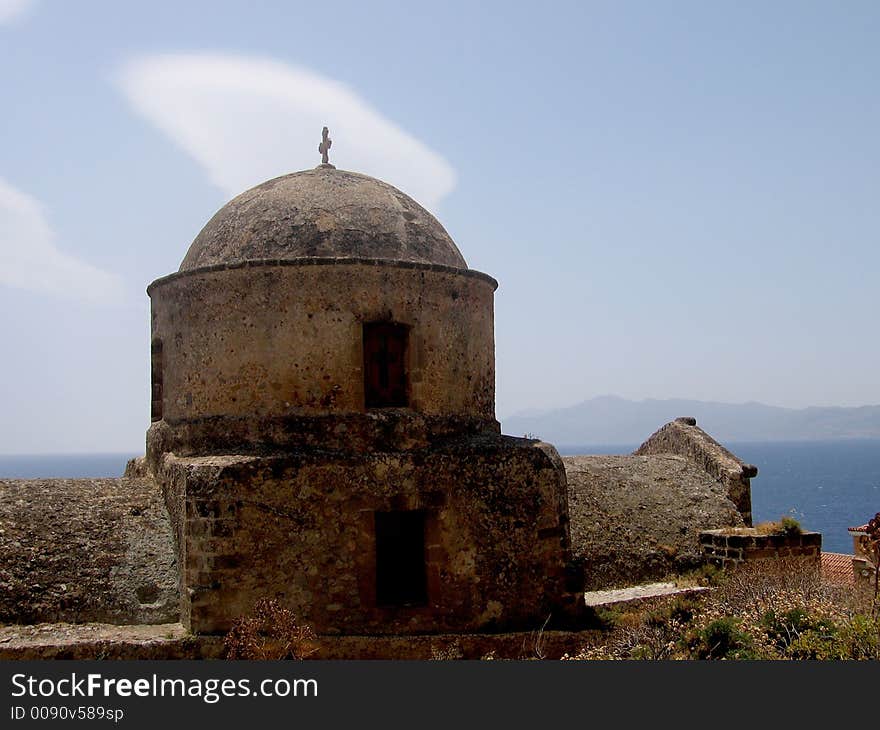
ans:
(635, 518)
(325, 213)
(299, 527)
(386, 429)
(683, 437)
(244, 349)
(170, 641)
(86, 550)
(637, 594)
(732, 546)
(103, 641)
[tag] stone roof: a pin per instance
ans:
(81, 550)
(322, 213)
(638, 517)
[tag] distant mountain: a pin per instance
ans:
(613, 420)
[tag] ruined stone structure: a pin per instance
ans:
(639, 516)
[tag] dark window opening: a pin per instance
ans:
(401, 575)
(385, 376)
(156, 380)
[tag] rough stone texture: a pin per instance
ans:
(299, 527)
(259, 352)
(730, 547)
(86, 550)
(635, 518)
(323, 212)
(103, 641)
(170, 641)
(683, 437)
(386, 429)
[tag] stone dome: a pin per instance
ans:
(322, 213)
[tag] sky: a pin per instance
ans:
(679, 199)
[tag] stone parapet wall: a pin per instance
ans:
(727, 548)
(637, 518)
(81, 550)
(683, 437)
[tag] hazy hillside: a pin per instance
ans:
(613, 420)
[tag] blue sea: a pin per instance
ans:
(827, 485)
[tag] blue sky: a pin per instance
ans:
(679, 199)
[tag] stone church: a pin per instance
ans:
(323, 433)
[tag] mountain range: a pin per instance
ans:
(614, 420)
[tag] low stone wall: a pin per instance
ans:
(171, 641)
(86, 550)
(728, 548)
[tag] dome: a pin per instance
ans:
(322, 213)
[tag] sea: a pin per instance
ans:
(827, 486)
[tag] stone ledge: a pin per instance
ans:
(101, 641)
(170, 641)
(638, 593)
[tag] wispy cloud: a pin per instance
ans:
(248, 119)
(14, 9)
(29, 258)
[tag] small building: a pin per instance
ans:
(324, 429)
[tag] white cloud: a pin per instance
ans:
(29, 258)
(13, 9)
(246, 120)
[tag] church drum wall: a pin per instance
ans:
(264, 341)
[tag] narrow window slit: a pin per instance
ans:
(401, 573)
(386, 381)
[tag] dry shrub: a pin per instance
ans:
(790, 612)
(765, 609)
(652, 630)
(269, 632)
(783, 526)
(762, 585)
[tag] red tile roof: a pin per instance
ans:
(863, 528)
(838, 568)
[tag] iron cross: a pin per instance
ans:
(324, 147)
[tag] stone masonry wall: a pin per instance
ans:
(727, 548)
(299, 528)
(79, 550)
(262, 341)
(683, 437)
(638, 518)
